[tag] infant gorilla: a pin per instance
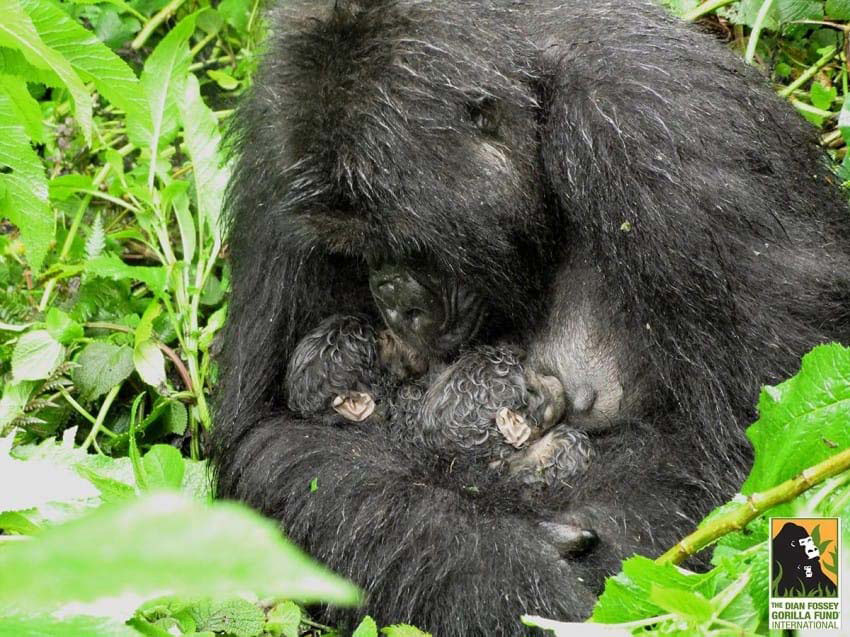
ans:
(486, 406)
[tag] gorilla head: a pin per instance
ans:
(592, 180)
(797, 570)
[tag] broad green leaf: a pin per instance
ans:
(234, 13)
(367, 627)
(26, 106)
(627, 595)
(110, 490)
(63, 187)
(13, 62)
(164, 467)
(186, 225)
(223, 79)
(102, 366)
(62, 327)
(47, 626)
(285, 618)
(203, 141)
(838, 9)
(92, 59)
(803, 420)
(18, 32)
(38, 482)
(150, 363)
(691, 606)
(236, 617)
(790, 10)
(164, 73)
(821, 96)
(36, 355)
(162, 543)
(112, 267)
(15, 398)
(14, 522)
(25, 202)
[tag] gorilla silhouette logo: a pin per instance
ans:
(797, 568)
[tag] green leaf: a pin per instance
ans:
(102, 366)
(367, 628)
(26, 107)
(791, 10)
(186, 224)
(838, 9)
(285, 618)
(798, 416)
(93, 60)
(25, 202)
(110, 266)
(111, 490)
(36, 355)
(18, 32)
(627, 595)
(233, 617)
(150, 364)
(821, 96)
(162, 77)
(46, 626)
(15, 522)
(203, 141)
(690, 606)
(162, 542)
(574, 629)
(96, 241)
(404, 630)
(63, 187)
(164, 467)
(176, 418)
(15, 398)
(62, 327)
(224, 80)
(234, 13)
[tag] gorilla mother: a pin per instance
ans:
(593, 180)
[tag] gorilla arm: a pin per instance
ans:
(382, 517)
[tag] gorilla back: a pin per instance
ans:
(619, 194)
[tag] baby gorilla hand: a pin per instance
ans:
(334, 372)
(488, 406)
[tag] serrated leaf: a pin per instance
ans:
(26, 106)
(101, 366)
(791, 10)
(367, 628)
(18, 32)
(15, 398)
(62, 327)
(164, 467)
(690, 606)
(96, 241)
(232, 617)
(627, 595)
(93, 60)
(162, 78)
(162, 542)
(25, 200)
(203, 141)
(176, 418)
(796, 416)
(36, 355)
(111, 267)
(285, 618)
(821, 96)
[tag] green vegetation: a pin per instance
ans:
(113, 287)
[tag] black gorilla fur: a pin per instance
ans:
(796, 559)
(633, 205)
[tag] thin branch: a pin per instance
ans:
(755, 505)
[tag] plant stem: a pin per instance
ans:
(758, 25)
(101, 416)
(755, 505)
(706, 8)
(809, 73)
(150, 26)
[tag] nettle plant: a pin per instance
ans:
(114, 283)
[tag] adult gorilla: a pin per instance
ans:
(592, 179)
